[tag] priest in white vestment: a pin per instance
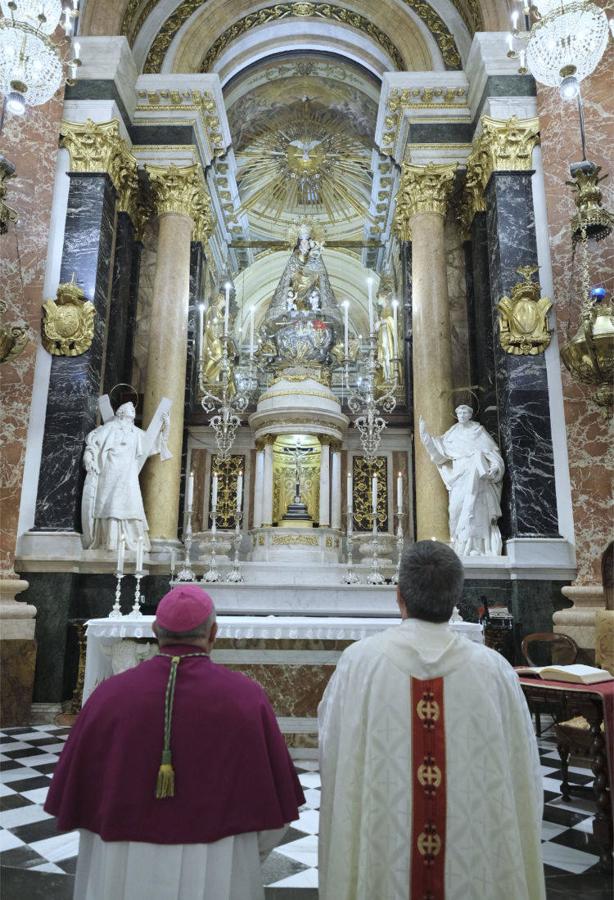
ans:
(431, 783)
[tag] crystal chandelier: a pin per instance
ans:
(562, 42)
(31, 68)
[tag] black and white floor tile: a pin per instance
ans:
(28, 839)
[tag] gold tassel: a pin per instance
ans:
(165, 786)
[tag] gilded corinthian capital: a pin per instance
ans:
(97, 147)
(181, 190)
(423, 189)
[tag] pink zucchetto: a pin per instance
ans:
(184, 608)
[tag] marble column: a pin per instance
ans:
(421, 209)
(75, 381)
(267, 485)
(180, 202)
(336, 490)
(324, 484)
(258, 488)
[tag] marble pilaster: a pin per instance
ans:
(122, 312)
(324, 484)
(529, 495)
(75, 382)
(481, 347)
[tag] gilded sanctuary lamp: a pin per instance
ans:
(589, 355)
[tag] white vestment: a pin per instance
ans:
(492, 774)
(228, 869)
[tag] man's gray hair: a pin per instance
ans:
(430, 581)
(201, 631)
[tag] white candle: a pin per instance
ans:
(350, 489)
(139, 555)
(374, 495)
(395, 331)
(173, 557)
(189, 494)
(214, 493)
(515, 15)
(346, 329)
(121, 549)
(240, 492)
(76, 49)
(510, 44)
(400, 492)
(252, 313)
(201, 323)
(370, 289)
(227, 307)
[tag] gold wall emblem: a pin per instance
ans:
(523, 325)
(68, 321)
(13, 338)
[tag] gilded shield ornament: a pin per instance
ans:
(523, 317)
(68, 321)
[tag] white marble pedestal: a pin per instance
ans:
(296, 545)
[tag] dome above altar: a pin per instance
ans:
(294, 404)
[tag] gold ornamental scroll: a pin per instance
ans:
(227, 471)
(363, 472)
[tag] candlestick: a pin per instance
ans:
(213, 574)
(240, 492)
(116, 612)
(214, 492)
(227, 307)
(374, 495)
(370, 296)
(395, 332)
(346, 329)
(252, 313)
(235, 576)
(138, 564)
(350, 576)
(189, 494)
(121, 549)
(400, 493)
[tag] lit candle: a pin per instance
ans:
(346, 329)
(400, 492)
(173, 557)
(227, 307)
(395, 331)
(350, 490)
(121, 549)
(214, 492)
(374, 495)
(240, 492)
(76, 49)
(370, 295)
(189, 494)
(252, 313)
(201, 322)
(139, 555)
(510, 44)
(515, 15)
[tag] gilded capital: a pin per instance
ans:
(98, 147)
(181, 190)
(503, 145)
(423, 189)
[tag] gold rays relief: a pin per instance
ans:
(305, 161)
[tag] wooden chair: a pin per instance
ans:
(561, 649)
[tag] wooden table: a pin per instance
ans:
(596, 703)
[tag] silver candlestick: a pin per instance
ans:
(400, 542)
(186, 573)
(135, 612)
(350, 576)
(116, 612)
(235, 576)
(375, 576)
(213, 574)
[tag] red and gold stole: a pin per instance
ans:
(428, 834)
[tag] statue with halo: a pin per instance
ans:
(115, 452)
(471, 468)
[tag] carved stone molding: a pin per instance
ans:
(503, 145)
(423, 189)
(202, 103)
(97, 147)
(182, 191)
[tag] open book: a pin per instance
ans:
(576, 674)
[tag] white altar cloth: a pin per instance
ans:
(103, 633)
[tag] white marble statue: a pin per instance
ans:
(471, 467)
(114, 455)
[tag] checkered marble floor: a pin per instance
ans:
(28, 839)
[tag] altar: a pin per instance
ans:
(292, 657)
